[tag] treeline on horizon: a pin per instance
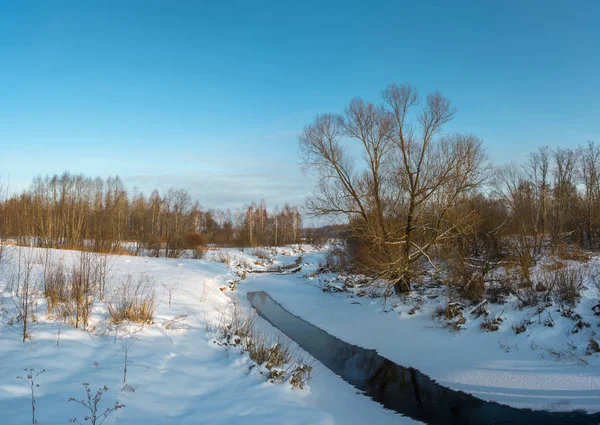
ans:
(76, 211)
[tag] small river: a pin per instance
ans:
(402, 389)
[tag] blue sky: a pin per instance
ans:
(211, 96)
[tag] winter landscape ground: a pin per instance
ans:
(303, 213)
(180, 371)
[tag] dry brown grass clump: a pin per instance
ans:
(566, 252)
(222, 257)
(260, 253)
(301, 375)
(282, 360)
(451, 315)
(133, 301)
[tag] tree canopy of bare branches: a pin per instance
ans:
(402, 193)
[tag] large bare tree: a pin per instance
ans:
(400, 194)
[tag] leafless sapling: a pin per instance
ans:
(25, 290)
(171, 287)
(126, 344)
(30, 379)
(92, 405)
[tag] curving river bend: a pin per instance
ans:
(402, 389)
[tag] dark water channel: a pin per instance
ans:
(402, 389)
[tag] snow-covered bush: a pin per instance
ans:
(336, 259)
(260, 253)
(533, 293)
(222, 257)
(557, 282)
(451, 315)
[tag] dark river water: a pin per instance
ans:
(402, 389)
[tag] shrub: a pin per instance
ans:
(197, 243)
(594, 276)
(301, 375)
(562, 283)
(260, 253)
(593, 347)
(268, 351)
(57, 291)
(449, 311)
(222, 257)
(491, 325)
(469, 266)
(283, 362)
(336, 260)
(199, 252)
(194, 240)
(538, 290)
(466, 278)
(83, 288)
(70, 293)
(133, 301)
(566, 252)
(24, 288)
(451, 315)
(568, 284)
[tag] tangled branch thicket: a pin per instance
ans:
(70, 291)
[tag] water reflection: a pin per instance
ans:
(402, 389)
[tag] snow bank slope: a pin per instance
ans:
(177, 376)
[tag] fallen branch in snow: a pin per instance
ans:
(292, 271)
(507, 347)
(479, 310)
(279, 270)
(295, 267)
(204, 293)
(560, 353)
(176, 323)
(332, 288)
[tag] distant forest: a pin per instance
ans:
(75, 211)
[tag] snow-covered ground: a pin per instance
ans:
(179, 376)
(176, 376)
(514, 369)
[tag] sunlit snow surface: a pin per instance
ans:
(181, 377)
